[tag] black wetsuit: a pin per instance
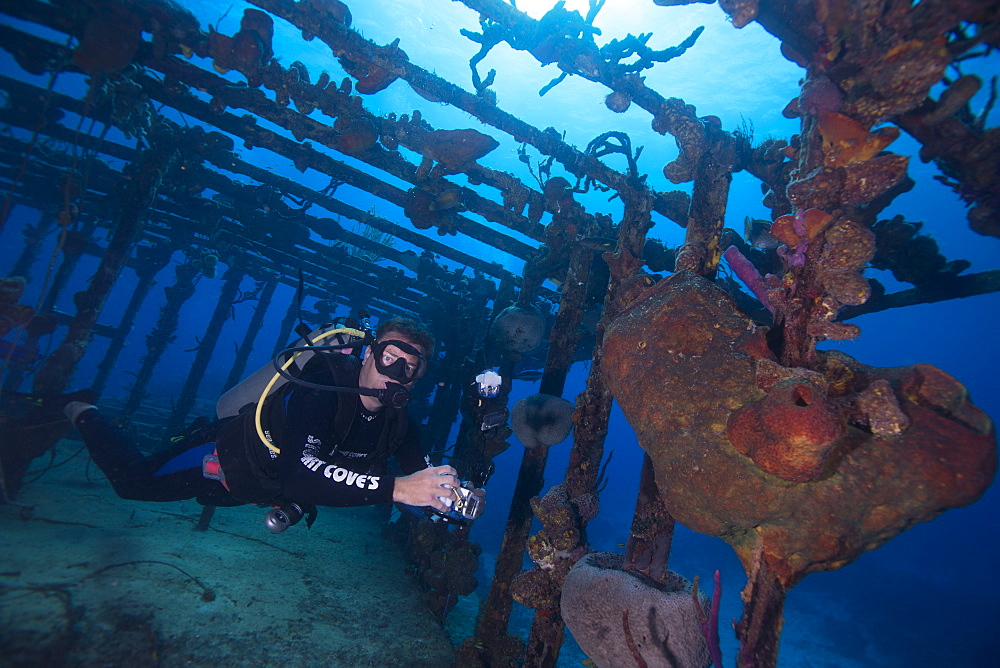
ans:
(316, 465)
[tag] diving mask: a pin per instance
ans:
(397, 367)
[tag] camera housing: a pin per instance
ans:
(467, 507)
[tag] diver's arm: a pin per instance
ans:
(423, 484)
(307, 477)
(426, 488)
(310, 479)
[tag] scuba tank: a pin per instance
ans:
(250, 390)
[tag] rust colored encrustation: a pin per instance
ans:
(812, 467)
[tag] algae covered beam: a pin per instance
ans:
(163, 333)
(301, 154)
(701, 251)
(305, 128)
(955, 287)
(246, 346)
(579, 490)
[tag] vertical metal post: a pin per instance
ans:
(162, 335)
(230, 290)
(246, 347)
(151, 262)
(33, 235)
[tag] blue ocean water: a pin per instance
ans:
(929, 597)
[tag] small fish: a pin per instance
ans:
(447, 199)
(758, 233)
(530, 375)
(600, 244)
(410, 260)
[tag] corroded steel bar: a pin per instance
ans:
(348, 42)
(701, 252)
(227, 186)
(162, 335)
(594, 408)
(33, 235)
(300, 154)
(206, 348)
(246, 346)
(153, 260)
(304, 128)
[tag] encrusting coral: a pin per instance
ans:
(249, 50)
(790, 432)
(814, 466)
(372, 78)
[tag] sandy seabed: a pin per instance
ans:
(88, 579)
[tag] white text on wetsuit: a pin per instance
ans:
(338, 474)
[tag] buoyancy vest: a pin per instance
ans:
(246, 467)
(338, 371)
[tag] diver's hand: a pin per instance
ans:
(427, 488)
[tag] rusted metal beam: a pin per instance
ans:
(153, 260)
(253, 328)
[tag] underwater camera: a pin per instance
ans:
(488, 383)
(468, 505)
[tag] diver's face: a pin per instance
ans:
(371, 378)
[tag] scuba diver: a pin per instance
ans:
(320, 437)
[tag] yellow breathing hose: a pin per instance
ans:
(284, 367)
